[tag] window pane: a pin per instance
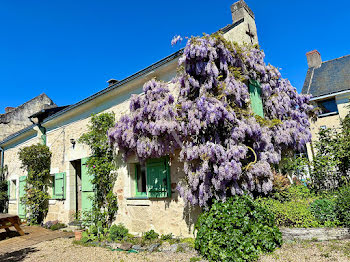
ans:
(328, 106)
(141, 178)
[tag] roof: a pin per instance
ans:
(332, 76)
(116, 85)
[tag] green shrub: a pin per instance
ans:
(294, 213)
(118, 232)
(166, 237)
(150, 235)
(236, 230)
(57, 226)
(343, 206)
(324, 211)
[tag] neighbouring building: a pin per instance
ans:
(60, 131)
(17, 118)
(329, 84)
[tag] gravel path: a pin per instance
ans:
(307, 251)
(63, 250)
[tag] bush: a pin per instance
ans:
(150, 235)
(324, 211)
(166, 237)
(236, 230)
(343, 206)
(294, 213)
(118, 232)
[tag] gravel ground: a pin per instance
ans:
(63, 250)
(336, 250)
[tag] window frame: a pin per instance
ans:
(328, 113)
(145, 195)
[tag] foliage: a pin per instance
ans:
(238, 229)
(3, 190)
(36, 161)
(226, 149)
(95, 233)
(56, 226)
(100, 165)
(150, 235)
(343, 205)
(281, 184)
(118, 232)
(324, 210)
(166, 236)
(300, 207)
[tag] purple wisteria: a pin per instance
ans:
(226, 149)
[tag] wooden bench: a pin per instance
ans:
(7, 220)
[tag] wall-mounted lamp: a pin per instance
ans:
(72, 141)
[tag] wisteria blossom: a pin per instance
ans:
(176, 39)
(226, 149)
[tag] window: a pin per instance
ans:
(12, 189)
(51, 186)
(328, 106)
(255, 98)
(59, 189)
(140, 176)
(153, 178)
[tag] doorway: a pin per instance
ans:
(77, 168)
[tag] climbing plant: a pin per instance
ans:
(100, 166)
(225, 147)
(3, 190)
(36, 161)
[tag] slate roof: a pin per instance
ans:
(332, 76)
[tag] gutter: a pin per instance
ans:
(330, 95)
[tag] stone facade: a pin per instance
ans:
(168, 215)
(16, 119)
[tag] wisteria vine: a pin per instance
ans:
(226, 149)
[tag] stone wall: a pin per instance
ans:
(17, 118)
(318, 234)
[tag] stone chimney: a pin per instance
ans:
(313, 59)
(9, 109)
(241, 10)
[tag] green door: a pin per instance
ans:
(21, 207)
(87, 188)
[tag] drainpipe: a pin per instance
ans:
(2, 157)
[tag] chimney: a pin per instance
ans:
(112, 82)
(240, 10)
(9, 109)
(313, 59)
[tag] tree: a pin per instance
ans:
(3, 190)
(36, 160)
(100, 165)
(226, 147)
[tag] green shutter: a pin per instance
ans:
(22, 192)
(255, 97)
(59, 189)
(8, 189)
(158, 178)
(87, 188)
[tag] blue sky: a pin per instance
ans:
(69, 49)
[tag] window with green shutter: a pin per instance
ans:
(153, 179)
(255, 97)
(59, 189)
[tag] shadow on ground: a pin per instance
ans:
(4, 235)
(18, 255)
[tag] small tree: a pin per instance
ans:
(100, 165)
(36, 161)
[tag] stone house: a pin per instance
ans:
(329, 84)
(60, 130)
